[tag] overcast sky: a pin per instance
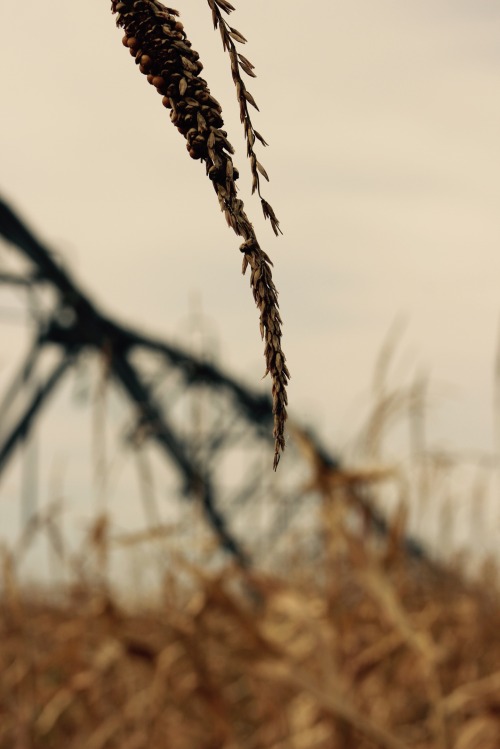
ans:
(383, 120)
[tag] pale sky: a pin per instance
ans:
(383, 120)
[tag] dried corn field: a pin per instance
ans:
(359, 647)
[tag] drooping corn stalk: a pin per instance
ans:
(156, 38)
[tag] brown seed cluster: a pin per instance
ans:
(157, 41)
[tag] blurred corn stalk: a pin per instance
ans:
(370, 651)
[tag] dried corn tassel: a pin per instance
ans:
(159, 44)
